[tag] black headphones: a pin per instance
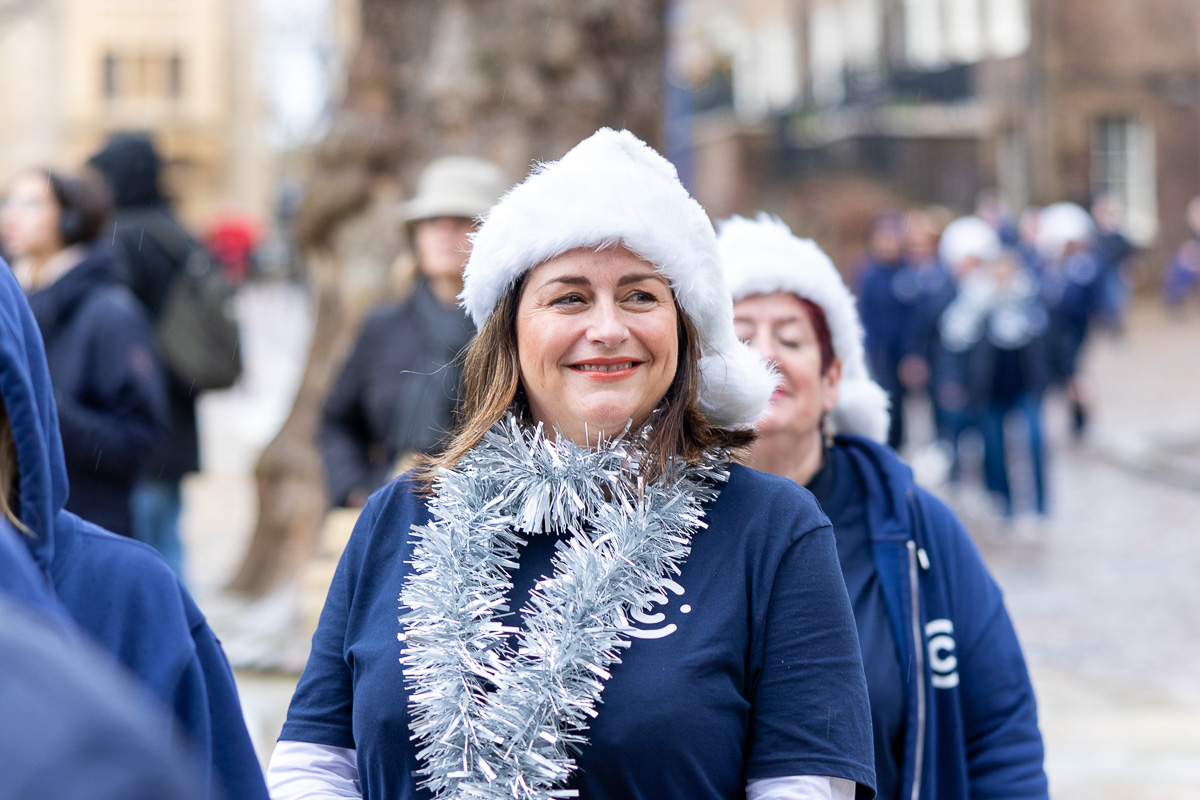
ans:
(70, 217)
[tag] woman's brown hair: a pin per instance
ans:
(492, 386)
(10, 473)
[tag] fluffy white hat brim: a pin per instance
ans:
(968, 237)
(763, 256)
(1059, 225)
(611, 189)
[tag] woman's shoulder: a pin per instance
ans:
(758, 499)
(388, 515)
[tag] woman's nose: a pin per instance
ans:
(761, 342)
(606, 325)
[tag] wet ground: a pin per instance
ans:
(1104, 593)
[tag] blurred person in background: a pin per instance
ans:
(1115, 252)
(108, 379)
(1071, 286)
(1183, 274)
(920, 364)
(991, 208)
(148, 240)
(997, 324)
(120, 592)
(953, 711)
(399, 386)
(889, 294)
(1026, 247)
(233, 239)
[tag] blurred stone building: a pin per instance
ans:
(74, 71)
(825, 110)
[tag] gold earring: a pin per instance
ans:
(827, 430)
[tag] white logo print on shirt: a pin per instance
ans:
(654, 619)
(942, 660)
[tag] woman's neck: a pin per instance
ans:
(446, 289)
(783, 453)
(37, 271)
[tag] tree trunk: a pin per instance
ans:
(508, 80)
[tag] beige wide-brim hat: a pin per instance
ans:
(456, 186)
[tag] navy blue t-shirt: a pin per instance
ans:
(840, 491)
(750, 670)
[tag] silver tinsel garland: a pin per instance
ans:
(497, 710)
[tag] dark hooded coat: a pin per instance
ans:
(131, 168)
(108, 385)
(118, 591)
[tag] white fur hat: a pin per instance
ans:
(1059, 225)
(968, 237)
(762, 256)
(612, 189)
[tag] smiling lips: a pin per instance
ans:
(606, 369)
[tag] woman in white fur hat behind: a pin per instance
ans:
(953, 711)
(582, 596)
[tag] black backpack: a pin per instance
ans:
(196, 328)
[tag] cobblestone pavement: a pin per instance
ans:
(1103, 593)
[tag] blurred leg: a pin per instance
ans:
(995, 461)
(157, 506)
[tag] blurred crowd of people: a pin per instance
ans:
(987, 315)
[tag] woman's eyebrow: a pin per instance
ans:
(570, 280)
(639, 277)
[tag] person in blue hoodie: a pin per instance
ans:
(108, 380)
(118, 591)
(1072, 284)
(891, 295)
(953, 711)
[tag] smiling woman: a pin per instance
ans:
(599, 342)
(587, 490)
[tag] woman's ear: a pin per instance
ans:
(829, 383)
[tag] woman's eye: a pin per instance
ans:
(791, 344)
(568, 300)
(642, 297)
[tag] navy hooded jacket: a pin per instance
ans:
(119, 591)
(131, 169)
(108, 385)
(72, 726)
(971, 726)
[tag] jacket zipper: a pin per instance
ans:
(919, 652)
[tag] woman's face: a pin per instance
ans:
(442, 246)
(778, 326)
(29, 218)
(597, 340)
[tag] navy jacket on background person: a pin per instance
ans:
(120, 592)
(395, 394)
(108, 385)
(971, 728)
(131, 168)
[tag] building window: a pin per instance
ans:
(175, 75)
(1007, 23)
(110, 86)
(964, 30)
(827, 54)
(923, 33)
(139, 76)
(1123, 167)
(942, 32)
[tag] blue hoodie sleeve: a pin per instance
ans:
(124, 595)
(1003, 742)
(232, 755)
